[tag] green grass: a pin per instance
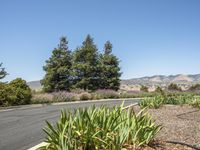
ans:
(100, 129)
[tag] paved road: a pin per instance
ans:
(21, 128)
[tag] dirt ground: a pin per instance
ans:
(181, 128)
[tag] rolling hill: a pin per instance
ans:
(185, 81)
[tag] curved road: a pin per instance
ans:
(21, 128)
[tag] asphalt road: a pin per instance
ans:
(21, 128)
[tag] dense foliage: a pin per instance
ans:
(195, 87)
(84, 69)
(174, 87)
(174, 99)
(144, 88)
(101, 128)
(86, 66)
(110, 71)
(3, 73)
(17, 92)
(58, 69)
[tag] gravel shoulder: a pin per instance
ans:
(181, 127)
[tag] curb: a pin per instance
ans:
(37, 146)
(3, 109)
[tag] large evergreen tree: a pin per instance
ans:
(58, 69)
(110, 70)
(86, 65)
(3, 73)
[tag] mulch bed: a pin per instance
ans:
(181, 128)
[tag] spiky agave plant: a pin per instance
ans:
(101, 129)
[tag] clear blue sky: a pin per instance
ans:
(149, 36)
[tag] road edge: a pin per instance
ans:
(3, 109)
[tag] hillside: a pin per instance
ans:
(185, 81)
(35, 85)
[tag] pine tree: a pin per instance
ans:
(86, 65)
(110, 70)
(3, 73)
(58, 69)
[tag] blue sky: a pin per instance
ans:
(149, 36)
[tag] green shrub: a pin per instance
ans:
(174, 99)
(144, 88)
(100, 128)
(174, 87)
(195, 87)
(19, 92)
(4, 95)
(152, 102)
(195, 102)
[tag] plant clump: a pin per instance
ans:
(101, 128)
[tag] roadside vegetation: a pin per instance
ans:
(87, 74)
(84, 68)
(16, 92)
(101, 128)
(173, 99)
(79, 95)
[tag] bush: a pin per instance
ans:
(101, 128)
(174, 99)
(195, 102)
(174, 87)
(195, 87)
(105, 94)
(17, 92)
(144, 88)
(20, 93)
(64, 97)
(152, 102)
(85, 96)
(42, 98)
(4, 94)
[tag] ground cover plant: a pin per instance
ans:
(101, 128)
(174, 99)
(79, 95)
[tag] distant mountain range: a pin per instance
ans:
(185, 81)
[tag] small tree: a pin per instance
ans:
(195, 87)
(110, 70)
(160, 91)
(144, 88)
(18, 92)
(174, 87)
(3, 73)
(86, 65)
(58, 69)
